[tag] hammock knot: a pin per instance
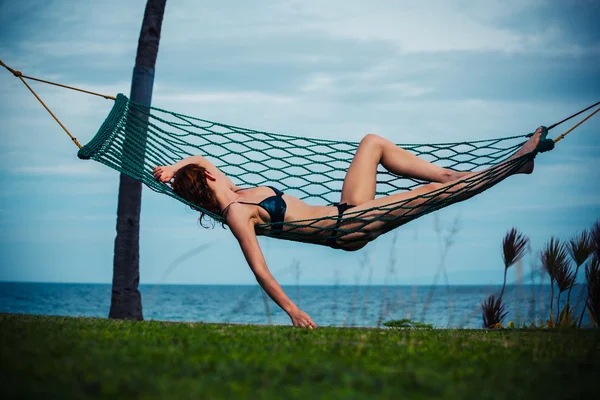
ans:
(545, 145)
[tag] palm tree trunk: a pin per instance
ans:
(126, 300)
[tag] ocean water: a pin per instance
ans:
(369, 306)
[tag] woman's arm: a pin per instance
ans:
(166, 172)
(201, 161)
(241, 224)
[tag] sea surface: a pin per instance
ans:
(368, 306)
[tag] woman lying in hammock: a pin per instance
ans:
(244, 210)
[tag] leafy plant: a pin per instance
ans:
(592, 275)
(565, 279)
(513, 250)
(557, 261)
(595, 234)
(554, 259)
(592, 302)
(580, 247)
(494, 312)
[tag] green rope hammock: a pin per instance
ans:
(134, 138)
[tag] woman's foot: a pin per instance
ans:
(527, 148)
(527, 168)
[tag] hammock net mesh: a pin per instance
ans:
(134, 138)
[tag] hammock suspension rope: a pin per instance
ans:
(136, 137)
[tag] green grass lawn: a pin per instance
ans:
(61, 357)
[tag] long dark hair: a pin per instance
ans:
(190, 184)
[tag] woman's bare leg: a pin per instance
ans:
(360, 181)
(455, 191)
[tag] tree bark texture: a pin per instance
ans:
(126, 300)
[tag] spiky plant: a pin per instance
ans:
(513, 250)
(579, 247)
(596, 238)
(554, 258)
(592, 275)
(493, 312)
(565, 279)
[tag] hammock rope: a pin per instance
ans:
(135, 137)
(309, 168)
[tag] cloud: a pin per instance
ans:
(410, 27)
(67, 215)
(42, 186)
(372, 80)
(406, 89)
(413, 72)
(61, 170)
(240, 97)
(318, 83)
(82, 47)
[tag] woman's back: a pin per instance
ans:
(293, 209)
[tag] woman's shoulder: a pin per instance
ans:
(236, 211)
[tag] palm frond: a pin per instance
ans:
(564, 276)
(513, 247)
(580, 247)
(592, 275)
(493, 312)
(554, 257)
(596, 238)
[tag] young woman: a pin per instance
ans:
(244, 210)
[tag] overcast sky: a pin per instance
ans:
(422, 71)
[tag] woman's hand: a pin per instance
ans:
(163, 174)
(301, 319)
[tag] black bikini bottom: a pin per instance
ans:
(332, 241)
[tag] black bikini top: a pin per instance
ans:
(274, 205)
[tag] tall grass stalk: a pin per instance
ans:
(446, 243)
(520, 291)
(595, 234)
(533, 272)
(554, 258)
(389, 272)
(580, 248)
(414, 295)
(514, 246)
(583, 295)
(265, 298)
(365, 305)
(336, 285)
(565, 278)
(296, 271)
(592, 274)
(353, 303)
